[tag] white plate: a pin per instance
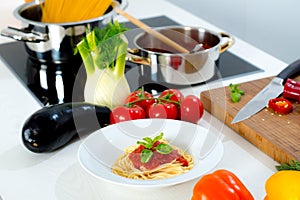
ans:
(99, 151)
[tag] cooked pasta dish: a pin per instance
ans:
(152, 159)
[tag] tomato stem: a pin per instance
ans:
(156, 99)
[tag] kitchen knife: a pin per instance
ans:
(272, 90)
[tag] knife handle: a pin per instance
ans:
(290, 71)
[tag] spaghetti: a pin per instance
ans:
(159, 166)
(60, 11)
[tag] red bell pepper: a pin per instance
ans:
(296, 83)
(291, 89)
(221, 185)
(280, 105)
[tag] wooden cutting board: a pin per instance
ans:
(276, 135)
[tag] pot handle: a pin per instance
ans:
(123, 5)
(24, 35)
(228, 43)
(132, 56)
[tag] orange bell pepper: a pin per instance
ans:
(221, 185)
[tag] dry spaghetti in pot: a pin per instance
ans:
(61, 11)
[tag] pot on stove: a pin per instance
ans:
(161, 63)
(52, 42)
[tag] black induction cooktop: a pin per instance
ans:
(54, 83)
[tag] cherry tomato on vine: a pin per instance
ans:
(191, 109)
(163, 110)
(123, 113)
(171, 95)
(141, 98)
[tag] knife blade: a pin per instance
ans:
(272, 90)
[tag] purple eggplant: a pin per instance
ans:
(52, 127)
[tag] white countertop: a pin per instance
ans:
(58, 175)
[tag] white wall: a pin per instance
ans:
(271, 25)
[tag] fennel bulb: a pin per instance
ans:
(103, 52)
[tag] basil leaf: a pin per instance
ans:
(164, 148)
(148, 140)
(160, 136)
(236, 93)
(232, 87)
(240, 91)
(146, 155)
(235, 97)
(141, 143)
(144, 144)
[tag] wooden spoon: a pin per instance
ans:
(151, 31)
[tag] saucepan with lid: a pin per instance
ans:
(162, 63)
(53, 42)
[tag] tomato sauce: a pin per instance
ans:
(156, 160)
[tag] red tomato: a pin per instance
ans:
(141, 98)
(123, 113)
(163, 110)
(191, 109)
(171, 94)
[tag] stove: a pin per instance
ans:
(54, 83)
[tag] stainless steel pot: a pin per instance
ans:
(170, 66)
(52, 42)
